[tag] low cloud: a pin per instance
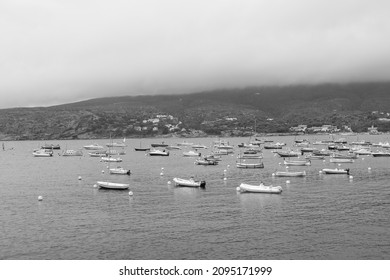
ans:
(62, 51)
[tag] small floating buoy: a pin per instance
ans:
(228, 166)
(79, 178)
(362, 158)
(288, 182)
(40, 198)
(324, 161)
(287, 167)
(95, 185)
(320, 172)
(238, 189)
(169, 182)
(225, 179)
(162, 168)
(351, 177)
(339, 164)
(102, 171)
(280, 163)
(273, 174)
(225, 171)
(161, 174)
(130, 193)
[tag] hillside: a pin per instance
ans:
(224, 111)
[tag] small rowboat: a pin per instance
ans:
(288, 154)
(380, 154)
(297, 162)
(335, 171)
(110, 159)
(206, 162)
(112, 186)
(191, 154)
(341, 160)
(189, 183)
(259, 189)
(42, 153)
(119, 171)
(250, 157)
(158, 153)
(290, 173)
(310, 157)
(250, 165)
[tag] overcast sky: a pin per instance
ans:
(59, 51)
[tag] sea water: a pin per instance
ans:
(316, 217)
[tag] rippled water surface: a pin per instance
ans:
(317, 217)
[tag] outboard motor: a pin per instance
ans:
(128, 172)
(347, 171)
(203, 184)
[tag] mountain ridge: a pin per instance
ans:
(275, 108)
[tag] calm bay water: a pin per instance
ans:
(317, 217)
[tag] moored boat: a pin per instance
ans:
(335, 171)
(51, 146)
(290, 173)
(341, 160)
(120, 171)
(43, 153)
(206, 162)
(94, 147)
(155, 152)
(112, 186)
(72, 153)
(250, 165)
(260, 188)
(297, 162)
(189, 183)
(191, 154)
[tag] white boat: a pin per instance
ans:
(314, 157)
(115, 152)
(173, 148)
(112, 186)
(335, 171)
(93, 147)
(260, 188)
(290, 173)
(206, 162)
(97, 154)
(155, 152)
(380, 154)
(250, 156)
(191, 154)
(189, 183)
(341, 160)
(362, 152)
(72, 153)
(184, 144)
(120, 171)
(297, 162)
(110, 159)
(288, 154)
(199, 146)
(250, 165)
(42, 153)
(114, 144)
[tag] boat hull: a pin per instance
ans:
(260, 189)
(112, 186)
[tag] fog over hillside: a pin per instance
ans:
(56, 52)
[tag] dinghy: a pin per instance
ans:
(112, 186)
(335, 171)
(189, 183)
(260, 188)
(290, 173)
